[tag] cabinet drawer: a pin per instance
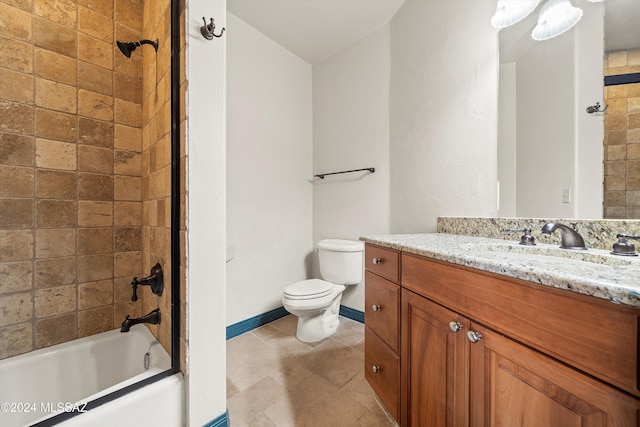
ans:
(383, 261)
(382, 371)
(589, 333)
(381, 308)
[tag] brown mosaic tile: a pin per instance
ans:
(16, 181)
(56, 96)
(128, 188)
(128, 138)
(55, 330)
(95, 294)
(60, 11)
(95, 105)
(14, 22)
(15, 308)
(128, 213)
(53, 243)
(94, 321)
(54, 37)
(95, 132)
(128, 113)
(95, 24)
(52, 184)
(16, 118)
(55, 301)
(127, 239)
(16, 245)
(16, 213)
(56, 67)
(16, 55)
(633, 183)
(55, 272)
(614, 183)
(129, 14)
(95, 187)
(55, 125)
(56, 213)
(128, 264)
(95, 241)
(122, 290)
(16, 339)
(16, 86)
(16, 276)
(55, 154)
(121, 310)
(127, 163)
(95, 51)
(95, 78)
(95, 214)
(615, 198)
(16, 150)
(95, 159)
(92, 268)
(104, 7)
(128, 88)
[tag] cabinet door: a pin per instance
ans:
(435, 364)
(513, 385)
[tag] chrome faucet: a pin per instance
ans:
(623, 246)
(571, 239)
(152, 318)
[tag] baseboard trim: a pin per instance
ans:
(255, 322)
(352, 313)
(275, 314)
(221, 421)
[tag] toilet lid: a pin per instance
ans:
(308, 289)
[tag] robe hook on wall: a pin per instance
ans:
(207, 30)
(596, 108)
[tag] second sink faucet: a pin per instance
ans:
(571, 239)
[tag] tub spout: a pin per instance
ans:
(152, 318)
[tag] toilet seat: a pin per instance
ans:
(308, 289)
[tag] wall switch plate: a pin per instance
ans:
(566, 195)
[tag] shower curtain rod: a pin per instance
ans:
(322, 175)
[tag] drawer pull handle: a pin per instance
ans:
(455, 326)
(375, 369)
(376, 307)
(377, 260)
(474, 336)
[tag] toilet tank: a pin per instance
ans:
(341, 261)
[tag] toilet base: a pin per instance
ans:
(314, 328)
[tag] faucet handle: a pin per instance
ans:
(526, 239)
(134, 284)
(623, 246)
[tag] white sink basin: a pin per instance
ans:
(510, 250)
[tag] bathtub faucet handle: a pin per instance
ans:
(155, 281)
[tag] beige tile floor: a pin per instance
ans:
(275, 380)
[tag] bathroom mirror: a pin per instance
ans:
(556, 167)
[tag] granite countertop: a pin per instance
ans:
(594, 272)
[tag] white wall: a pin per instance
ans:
(444, 88)
(269, 151)
(507, 135)
(351, 131)
(206, 188)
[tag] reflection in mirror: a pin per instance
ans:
(622, 119)
(549, 149)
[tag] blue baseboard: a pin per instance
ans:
(255, 322)
(221, 421)
(352, 313)
(264, 318)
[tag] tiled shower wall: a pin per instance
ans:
(622, 138)
(74, 229)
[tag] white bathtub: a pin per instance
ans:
(40, 384)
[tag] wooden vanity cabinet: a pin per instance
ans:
(382, 325)
(479, 349)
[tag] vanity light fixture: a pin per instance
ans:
(509, 12)
(556, 17)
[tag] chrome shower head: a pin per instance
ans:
(127, 47)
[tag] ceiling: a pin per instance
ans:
(316, 29)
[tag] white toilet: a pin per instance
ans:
(317, 302)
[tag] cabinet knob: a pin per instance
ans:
(455, 326)
(474, 336)
(376, 307)
(377, 260)
(375, 369)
